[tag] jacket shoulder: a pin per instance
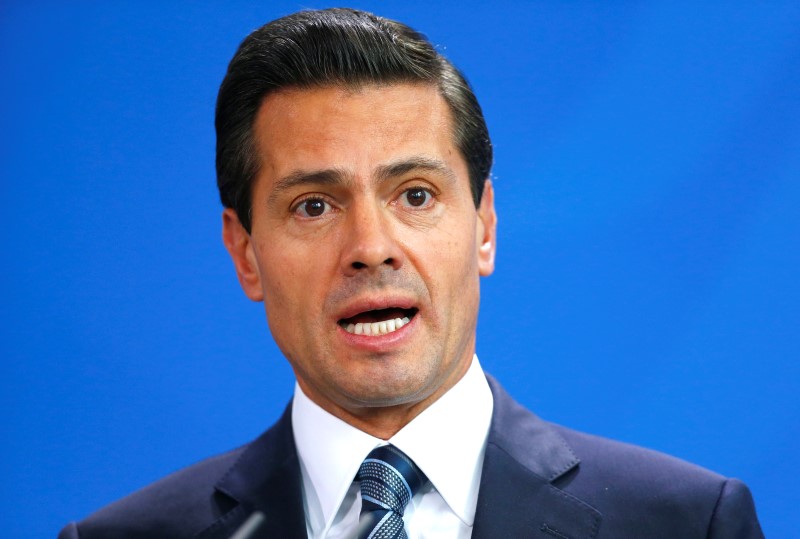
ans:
(632, 491)
(637, 489)
(608, 459)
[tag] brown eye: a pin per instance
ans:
(417, 197)
(312, 207)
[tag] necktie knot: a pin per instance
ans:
(389, 479)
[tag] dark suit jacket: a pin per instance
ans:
(539, 480)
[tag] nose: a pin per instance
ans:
(369, 242)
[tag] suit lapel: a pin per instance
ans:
(267, 478)
(517, 497)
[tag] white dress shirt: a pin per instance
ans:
(447, 441)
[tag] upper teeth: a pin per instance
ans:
(377, 328)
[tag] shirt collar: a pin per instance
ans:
(447, 441)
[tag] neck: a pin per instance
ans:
(382, 422)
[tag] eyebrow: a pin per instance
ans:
(412, 164)
(338, 176)
(330, 176)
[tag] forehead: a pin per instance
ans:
(352, 128)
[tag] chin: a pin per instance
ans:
(384, 391)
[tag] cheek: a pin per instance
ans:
(288, 306)
(294, 277)
(458, 249)
(280, 274)
(451, 267)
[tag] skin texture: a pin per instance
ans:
(363, 202)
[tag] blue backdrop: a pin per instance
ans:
(648, 185)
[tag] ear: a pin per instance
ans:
(487, 231)
(240, 246)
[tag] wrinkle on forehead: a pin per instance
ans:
(319, 106)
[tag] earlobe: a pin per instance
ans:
(487, 231)
(240, 246)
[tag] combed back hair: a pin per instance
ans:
(333, 47)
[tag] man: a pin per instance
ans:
(353, 164)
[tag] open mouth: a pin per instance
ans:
(378, 321)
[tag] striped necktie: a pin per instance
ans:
(389, 480)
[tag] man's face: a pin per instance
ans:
(366, 246)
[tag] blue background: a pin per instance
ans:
(648, 183)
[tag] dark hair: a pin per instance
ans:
(333, 47)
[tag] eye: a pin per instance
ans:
(312, 207)
(416, 197)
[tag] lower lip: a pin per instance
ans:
(378, 343)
